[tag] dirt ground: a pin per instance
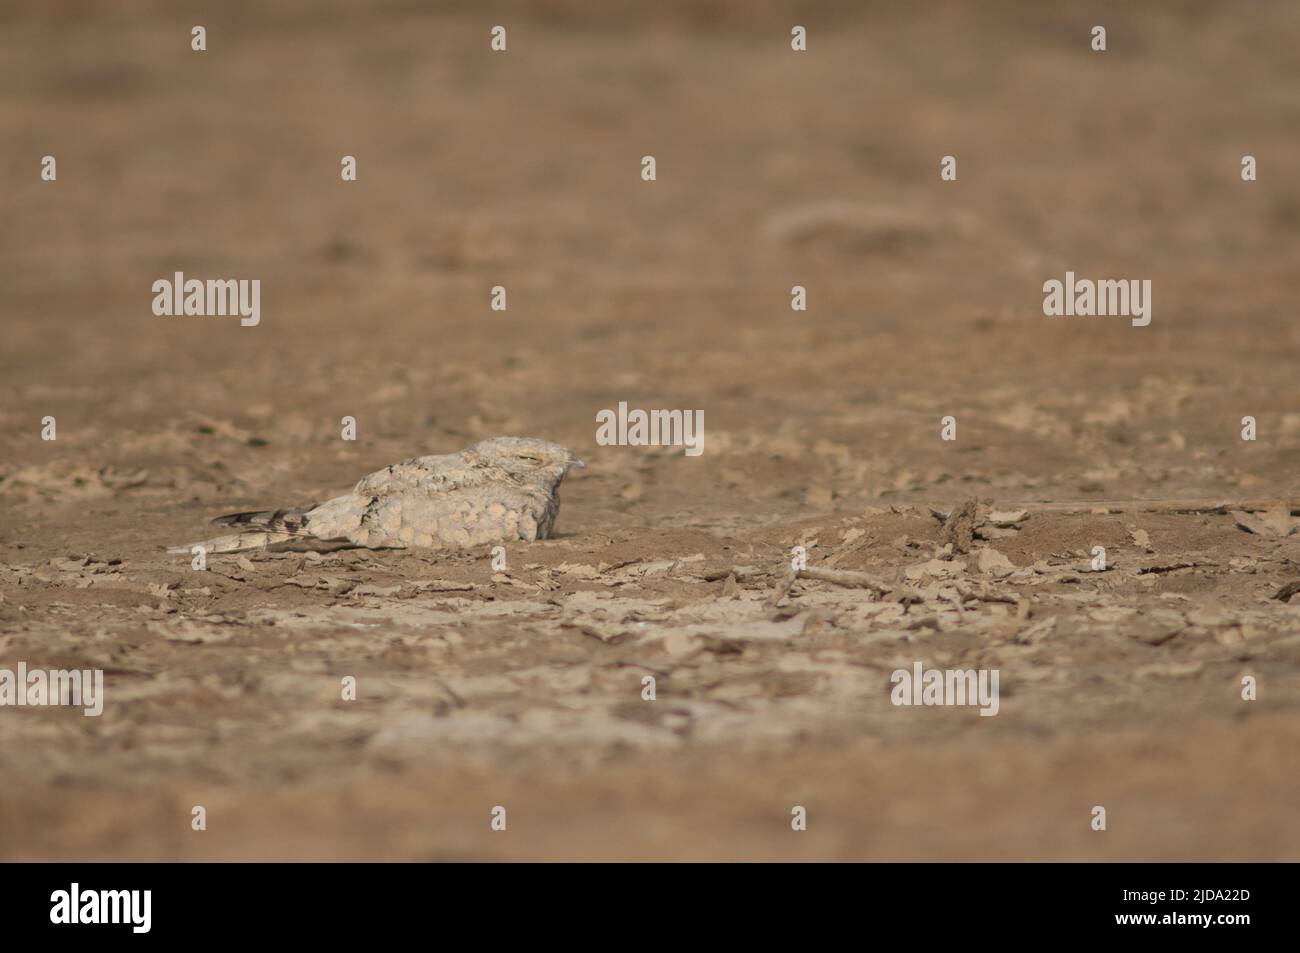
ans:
(523, 688)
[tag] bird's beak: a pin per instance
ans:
(575, 462)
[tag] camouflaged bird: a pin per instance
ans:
(498, 490)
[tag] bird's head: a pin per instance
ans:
(527, 459)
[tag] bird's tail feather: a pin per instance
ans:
(261, 529)
(242, 542)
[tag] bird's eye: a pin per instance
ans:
(529, 459)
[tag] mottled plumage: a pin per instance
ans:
(498, 490)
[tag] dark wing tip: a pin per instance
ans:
(291, 520)
(240, 519)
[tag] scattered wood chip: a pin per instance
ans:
(1286, 592)
(990, 562)
(440, 585)
(70, 563)
(1167, 567)
(581, 570)
(844, 577)
(1274, 523)
(838, 577)
(959, 528)
(935, 569)
(1008, 518)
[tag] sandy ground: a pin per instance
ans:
(476, 688)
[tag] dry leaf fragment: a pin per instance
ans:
(1275, 522)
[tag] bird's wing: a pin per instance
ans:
(433, 474)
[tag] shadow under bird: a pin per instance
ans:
(498, 490)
